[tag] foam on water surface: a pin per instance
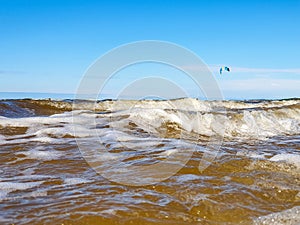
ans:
(75, 180)
(288, 158)
(156, 118)
(8, 187)
(41, 154)
(286, 217)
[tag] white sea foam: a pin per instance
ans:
(288, 158)
(251, 154)
(26, 177)
(243, 120)
(39, 154)
(7, 187)
(75, 180)
(188, 178)
(287, 217)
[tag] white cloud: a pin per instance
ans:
(261, 84)
(216, 68)
(264, 70)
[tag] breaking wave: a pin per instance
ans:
(44, 120)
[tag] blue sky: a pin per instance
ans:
(47, 45)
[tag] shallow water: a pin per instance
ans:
(254, 178)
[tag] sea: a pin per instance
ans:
(179, 161)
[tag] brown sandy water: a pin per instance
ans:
(255, 178)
